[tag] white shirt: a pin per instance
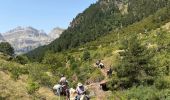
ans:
(63, 79)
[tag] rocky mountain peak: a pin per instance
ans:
(24, 31)
(24, 39)
(1, 38)
(55, 33)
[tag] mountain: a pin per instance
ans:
(55, 33)
(100, 19)
(24, 39)
(1, 38)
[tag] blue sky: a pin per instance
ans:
(40, 14)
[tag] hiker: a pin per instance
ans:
(57, 89)
(63, 80)
(109, 72)
(98, 62)
(101, 65)
(81, 92)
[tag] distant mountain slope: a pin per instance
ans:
(55, 33)
(24, 39)
(1, 38)
(100, 19)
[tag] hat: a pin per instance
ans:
(80, 84)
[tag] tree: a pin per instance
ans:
(135, 66)
(6, 48)
(21, 59)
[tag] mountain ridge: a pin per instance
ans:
(24, 39)
(1, 38)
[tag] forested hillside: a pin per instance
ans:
(98, 20)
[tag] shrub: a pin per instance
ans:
(74, 66)
(86, 55)
(15, 72)
(142, 93)
(45, 80)
(32, 87)
(21, 59)
(162, 83)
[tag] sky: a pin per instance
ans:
(40, 14)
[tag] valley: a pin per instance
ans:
(130, 41)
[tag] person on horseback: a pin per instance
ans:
(81, 91)
(64, 84)
(63, 80)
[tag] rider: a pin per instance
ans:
(80, 91)
(63, 81)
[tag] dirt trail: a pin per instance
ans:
(95, 89)
(96, 92)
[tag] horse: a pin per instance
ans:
(65, 91)
(57, 89)
(73, 95)
(61, 90)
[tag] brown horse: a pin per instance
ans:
(65, 92)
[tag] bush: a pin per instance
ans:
(142, 93)
(45, 80)
(15, 72)
(86, 55)
(162, 83)
(74, 66)
(32, 87)
(21, 59)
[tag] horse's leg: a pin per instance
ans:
(82, 97)
(67, 94)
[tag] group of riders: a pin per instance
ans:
(63, 89)
(99, 64)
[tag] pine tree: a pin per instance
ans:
(135, 66)
(6, 48)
